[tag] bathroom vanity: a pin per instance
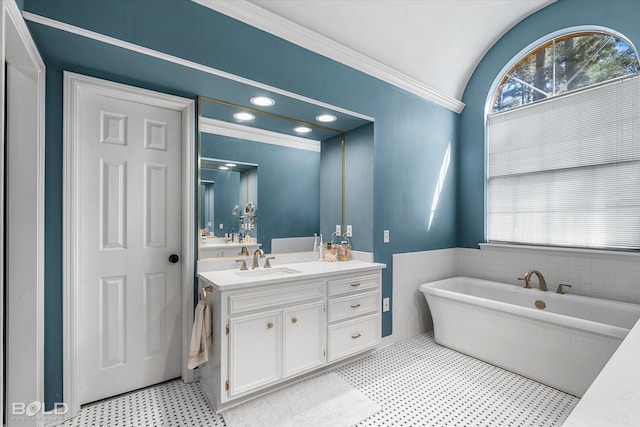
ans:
(272, 326)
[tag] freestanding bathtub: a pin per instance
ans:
(564, 345)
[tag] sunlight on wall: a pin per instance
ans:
(444, 168)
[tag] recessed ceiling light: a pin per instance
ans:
(302, 129)
(230, 164)
(326, 118)
(262, 101)
(224, 168)
(244, 116)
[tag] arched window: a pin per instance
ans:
(562, 64)
(564, 170)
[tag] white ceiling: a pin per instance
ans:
(437, 42)
(429, 47)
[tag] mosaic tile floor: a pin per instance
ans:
(417, 382)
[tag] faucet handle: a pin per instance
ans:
(560, 290)
(526, 282)
(244, 264)
(266, 262)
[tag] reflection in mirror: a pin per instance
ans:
(294, 196)
(224, 186)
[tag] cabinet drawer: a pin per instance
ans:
(353, 336)
(353, 284)
(279, 296)
(353, 305)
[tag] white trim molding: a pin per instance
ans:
(24, 240)
(62, 26)
(258, 17)
(73, 85)
(234, 130)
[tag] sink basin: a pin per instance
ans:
(266, 272)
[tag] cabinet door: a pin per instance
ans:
(304, 338)
(255, 355)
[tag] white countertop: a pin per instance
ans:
(235, 279)
(614, 397)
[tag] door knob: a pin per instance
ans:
(173, 258)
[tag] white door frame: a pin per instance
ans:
(73, 85)
(25, 213)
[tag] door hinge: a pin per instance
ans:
(324, 353)
(226, 385)
(227, 329)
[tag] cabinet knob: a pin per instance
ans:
(355, 305)
(270, 325)
(355, 284)
(294, 320)
(354, 336)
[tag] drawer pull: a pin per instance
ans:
(355, 336)
(355, 305)
(355, 284)
(270, 325)
(294, 320)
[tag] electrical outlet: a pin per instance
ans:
(385, 304)
(221, 226)
(338, 230)
(349, 231)
(385, 238)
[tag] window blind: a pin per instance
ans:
(566, 171)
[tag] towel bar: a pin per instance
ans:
(203, 293)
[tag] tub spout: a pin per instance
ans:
(542, 284)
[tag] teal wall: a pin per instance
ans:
(288, 185)
(228, 192)
(410, 134)
(618, 15)
(359, 159)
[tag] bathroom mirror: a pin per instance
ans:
(301, 186)
(225, 185)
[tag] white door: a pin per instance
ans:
(130, 213)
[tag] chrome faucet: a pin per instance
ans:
(256, 254)
(542, 284)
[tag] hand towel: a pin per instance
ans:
(200, 335)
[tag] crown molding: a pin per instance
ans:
(234, 130)
(82, 32)
(260, 18)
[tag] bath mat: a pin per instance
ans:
(326, 400)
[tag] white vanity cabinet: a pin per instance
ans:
(269, 331)
(250, 369)
(266, 347)
(354, 315)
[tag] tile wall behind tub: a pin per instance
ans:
(410, 312)
(614, 276)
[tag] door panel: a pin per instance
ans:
(304, 338)
(130, 204)
(255, 358)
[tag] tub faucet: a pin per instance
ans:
(256, 254)
(542, 284)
